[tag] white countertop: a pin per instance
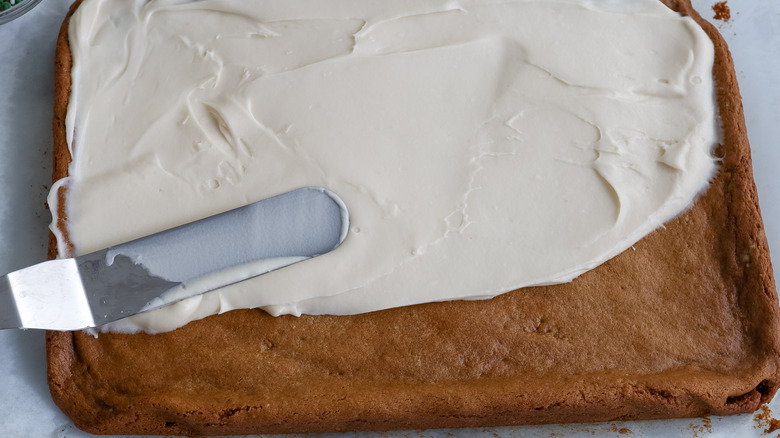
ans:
(26, 96)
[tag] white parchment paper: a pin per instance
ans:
(26, 96)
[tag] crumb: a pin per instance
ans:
(773, 426)
(764, 420)
(707, 424)
(622, 430)
(722, 11)
(705, 427)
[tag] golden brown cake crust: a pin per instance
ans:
(684, 324)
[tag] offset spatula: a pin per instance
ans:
(157, 270)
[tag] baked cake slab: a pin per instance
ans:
(684, 324)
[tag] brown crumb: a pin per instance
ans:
(622, 430)
(765, 420)
(722, 11)
(773, 426)
(705, 427)
(707, 424)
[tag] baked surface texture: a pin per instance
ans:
(683, 325)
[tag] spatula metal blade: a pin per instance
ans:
(157, 270)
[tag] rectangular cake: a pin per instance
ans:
(684, 323)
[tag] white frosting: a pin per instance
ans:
(480, 146)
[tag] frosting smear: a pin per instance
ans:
(480, 146)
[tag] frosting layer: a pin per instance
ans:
(480, 146)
